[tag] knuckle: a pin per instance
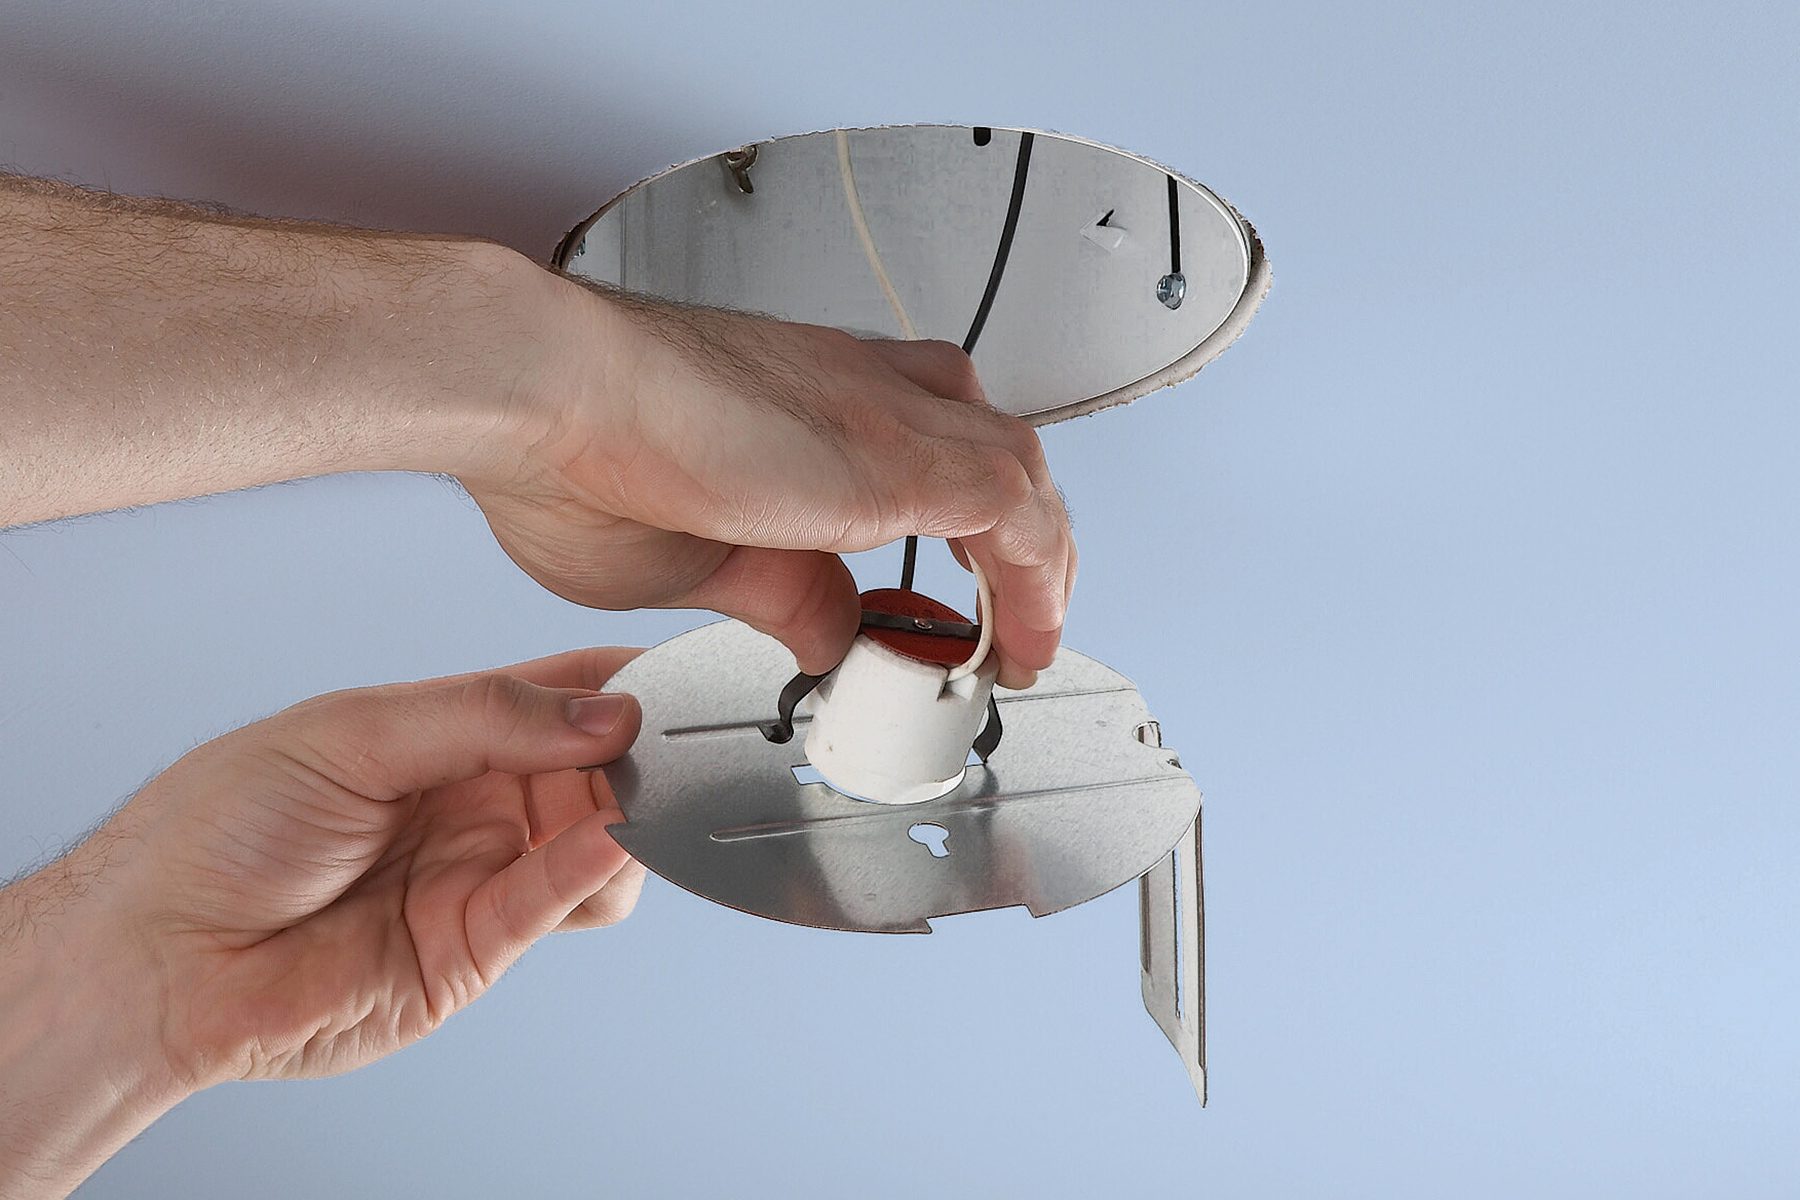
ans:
(609, 911)
(968, 382)
(505, 703)
(326, 705)
(1025, 546)
(504, 919)
(1012, 478)
(973, 487)
(338, 740)
(829, 337)
(1022, 440)
(561, 894)
(877, 429)
(614, 902)
(879, 511)
(941, 466)
(351, 716)
(957, 367)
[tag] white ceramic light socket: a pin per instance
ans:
(891, 729)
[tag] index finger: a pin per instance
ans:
(1026, 548)
(1028, 557)
(1027, 551)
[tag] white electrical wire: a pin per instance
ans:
(983, 592)
(868, 241)
(984, 613)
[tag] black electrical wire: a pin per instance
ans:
(909, 562)
(988, 740)
(1174, 228)
(781, 730)
(1021, 170)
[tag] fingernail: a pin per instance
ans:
(596, 714)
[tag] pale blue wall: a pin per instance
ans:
(1465, 584)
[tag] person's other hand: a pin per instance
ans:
(659, 455)
(326, 886)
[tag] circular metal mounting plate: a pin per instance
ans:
(1108, 277)
(1070, 806)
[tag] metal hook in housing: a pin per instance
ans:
(739, 162)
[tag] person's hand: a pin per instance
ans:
(626, 452)
(658, 455)
(303, 896)
(326, 886)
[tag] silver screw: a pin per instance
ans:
(1171, 289)
(921, 624)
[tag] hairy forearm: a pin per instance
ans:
(150, 351)
(81, 1069)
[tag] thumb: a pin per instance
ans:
(387, 742)
(805, 598)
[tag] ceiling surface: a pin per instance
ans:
(1464, 583)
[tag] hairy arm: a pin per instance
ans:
(627, 452)
(80, 1074)
(301, 897)
(150, 351)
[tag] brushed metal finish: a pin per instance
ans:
(1123, 277)
(1172, 946)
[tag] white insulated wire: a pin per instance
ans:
(984, 613)
(983, 592)
(868, 241)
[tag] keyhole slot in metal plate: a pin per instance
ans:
(931, 836)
